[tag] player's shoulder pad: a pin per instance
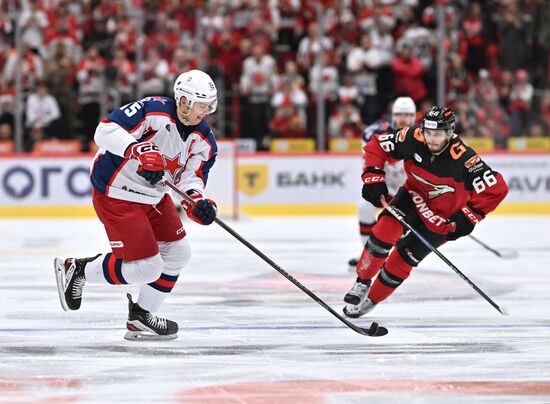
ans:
(159, 104)
(464, 154)
(204, 131)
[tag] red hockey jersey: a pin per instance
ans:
(440, 184)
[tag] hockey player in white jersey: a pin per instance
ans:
(140, 144)
(403, 114)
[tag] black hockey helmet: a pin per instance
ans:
(440, 118)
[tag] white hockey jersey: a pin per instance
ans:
(189, 152)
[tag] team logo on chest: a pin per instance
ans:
(172, 165)
(437, 189)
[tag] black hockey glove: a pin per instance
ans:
(465, 220)
(374, 186)
(202, 211)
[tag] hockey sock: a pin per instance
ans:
(368, 265)
(111, 270)
(175, 255)
(152, 295)
(394, 272)
(365, 231)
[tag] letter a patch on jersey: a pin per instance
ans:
(252, 178)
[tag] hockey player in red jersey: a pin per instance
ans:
(140, 144)
(403, 113)
(448, 190)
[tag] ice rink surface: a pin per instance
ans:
(247, 335)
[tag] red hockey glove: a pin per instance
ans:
(374, 186)
(151, 162)
(202, 211)
(465, 220)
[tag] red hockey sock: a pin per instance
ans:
(390, 277)
(368, 265)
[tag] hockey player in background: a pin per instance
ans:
(140, 143)
(403, 113)
(448, 190)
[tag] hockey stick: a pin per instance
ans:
(373, 331)
(507, 256)
(399, 217)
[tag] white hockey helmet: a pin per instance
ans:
(196, 86)
(403, 105)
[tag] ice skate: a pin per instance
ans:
(352, 264)
(143, 325)
(70, 278)
(357, 301)
(358, 292)
(355, 311)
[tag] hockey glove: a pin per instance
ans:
(202, 210)
(151, 162)
(465, 220)
(374, 186)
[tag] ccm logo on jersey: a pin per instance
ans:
(423, 209)
(437, 189)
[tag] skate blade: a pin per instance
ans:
(59, 269)
(143, 336)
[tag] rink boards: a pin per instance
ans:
(253, 184)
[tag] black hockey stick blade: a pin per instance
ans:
(373, 331)
(510, 255)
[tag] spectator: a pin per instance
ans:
(492, 122)
(42, 114)
(538, 129)
(407, 72)
(348, 92)
(32, 22)
(505, 88)
(345, 121)
(484, 89)
(30, 66)
(311, 46)
(364, 62)
(520, 103)
(291, 92)
(257, 84)
(472, 28)
(90, 90)
(155, 73)
(513, 44)
(225, 49)
(7, 105)
(457, 78)
(287, 122)
(61, 80)
(123, 77)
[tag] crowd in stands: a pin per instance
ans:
(273, 59)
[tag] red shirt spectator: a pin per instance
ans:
(407, 74)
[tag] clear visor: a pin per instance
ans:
(205, 107)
